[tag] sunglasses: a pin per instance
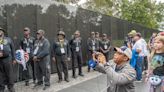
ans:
(38, 33)
(25, 30)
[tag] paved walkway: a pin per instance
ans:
(91, 82)
(98, 84)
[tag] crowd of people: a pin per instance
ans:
(133, 60)
(129, 63)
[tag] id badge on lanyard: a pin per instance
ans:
(105, 46)
(28, 50)
(77, 49)
(93, 48)
(62, 47)
(93, 45)
(36, 50)
(1, 47)
(62, 50)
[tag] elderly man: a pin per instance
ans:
(6, 60)
(93, 45)
(76, 50)
(61, 56)
(42, 59)
(120, 75)
(141, 48)
(105, 46)
(27, 44)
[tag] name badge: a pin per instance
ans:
(105, 47)
(93, 48)
(94, 43)
(77, 49)
(36, 50)
(1, 47)
(62, 50)
(28, 50)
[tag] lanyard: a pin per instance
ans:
(77, 41)
(105, 42)
(93, 42)
(1, 41)
(27, 42)
(61, 43)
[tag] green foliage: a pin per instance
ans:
(145, 12)
(148, 13)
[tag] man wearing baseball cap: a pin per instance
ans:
(120, 75)
(141, 48)
(6, 60)
(27, 44)
(61, 55)
(92, 45)
(130, 41)
(76, 49)
(41, 58)
(105, 46)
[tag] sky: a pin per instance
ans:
(83, 1)
(160, 0)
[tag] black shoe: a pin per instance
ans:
(67, 80)
(82, 75)
(34, 81)
(74, 76)
(60, 80)
(45, 87)
(26, 83)
(38, 84)
(11, 89)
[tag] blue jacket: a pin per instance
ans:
(134, 58)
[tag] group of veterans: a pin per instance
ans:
(40, 54)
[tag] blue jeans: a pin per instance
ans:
(138, 67)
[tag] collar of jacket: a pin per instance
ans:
(120, 67)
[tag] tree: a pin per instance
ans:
(146, 12)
